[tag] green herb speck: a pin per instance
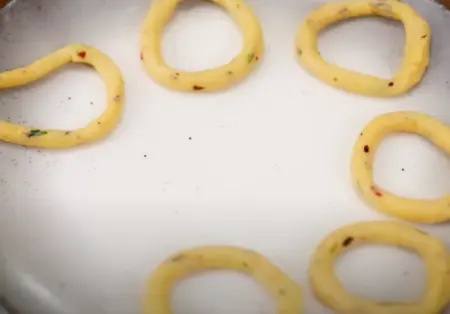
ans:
(250, 57)
(36, 132)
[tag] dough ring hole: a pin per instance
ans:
(382, 272)
(188, 45)
(347, 45)
(66, 99)
(411, 166)
(221, 292)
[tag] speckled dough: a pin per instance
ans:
(95, 130)
(428, 211)
(330, 291)
(157, 295)
(416, 50)
(207, 80)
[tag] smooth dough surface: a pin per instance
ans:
(328, 288)
(96, 129)
(207, 80)
(416, 50)
(286, 293)
(418, 210)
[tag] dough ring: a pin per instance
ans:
(157, 295)
(416, 50)
(330, 291)
(207, 80)
(418, 210)
(95, 130)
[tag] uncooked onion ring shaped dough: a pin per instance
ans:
(206, 80)
(412, 209)
(416, 49)
(287, 293)
(330, 291)
(95, 130)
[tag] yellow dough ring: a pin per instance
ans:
(207, 80)
(95, 130)
(157, 295)
(416, 50)
(418, 210)
(330, 291)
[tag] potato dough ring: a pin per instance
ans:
(428, 211)
(286, 292)
(211, 79)
(446, 297)
(329, 290)
(95, 130)
(416, 50)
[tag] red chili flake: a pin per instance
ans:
(142, 56)
(376, 191)
(391, 84)
(82, 54)
(197, 87)
(366, 148)
(347, 241)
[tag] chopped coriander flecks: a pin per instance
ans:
(250, 57)
(36, 132)
(178, 258)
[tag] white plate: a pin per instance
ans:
(262, 165)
